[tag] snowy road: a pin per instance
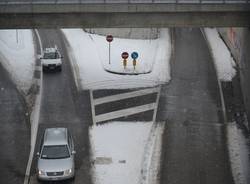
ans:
(194, 144)
(14, 132)
(63, 106)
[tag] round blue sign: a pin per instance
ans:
(134, 55)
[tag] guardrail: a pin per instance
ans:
(124, 1)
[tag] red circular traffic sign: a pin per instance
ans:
(109, 38)
(124, 55)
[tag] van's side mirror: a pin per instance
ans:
(38, 154)
(73, 152)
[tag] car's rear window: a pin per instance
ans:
(55, 152)
(50, 55)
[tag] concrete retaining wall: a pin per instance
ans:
(131, 33)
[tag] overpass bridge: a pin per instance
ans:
(123, 13)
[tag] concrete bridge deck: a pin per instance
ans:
(123, 13)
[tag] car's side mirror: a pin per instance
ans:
(38, 154)
(61, 57)
(73, 152)
(39, 56)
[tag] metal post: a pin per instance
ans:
(92, 107)
(16, 36)
(109, 52)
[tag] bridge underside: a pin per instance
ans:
(123, 20)
(123, 15)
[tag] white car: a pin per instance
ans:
(51, 59)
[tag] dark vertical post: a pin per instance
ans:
(16, 36)
(109, 52)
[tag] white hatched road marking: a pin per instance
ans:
(124, 112)
(127, 111)
(124, 95)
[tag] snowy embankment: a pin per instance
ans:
(90, 56)
(17, 55)
(122, 151)
(224, 62)
(237, 144)
(238, 153)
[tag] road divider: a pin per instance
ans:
(34, 117)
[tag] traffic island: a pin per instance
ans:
(129, 67)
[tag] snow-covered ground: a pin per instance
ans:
(119, 151)
(123, 152)
(89, 52)
(224, 62)
(238, 152)
(17, 55)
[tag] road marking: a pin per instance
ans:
(157, 103)
(39, 40)
(124, 96)
(38, 68)
(125, 112)
(92, 107)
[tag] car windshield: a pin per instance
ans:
(55, 152)
(50, 55)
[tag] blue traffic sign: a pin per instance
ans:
(134, 55)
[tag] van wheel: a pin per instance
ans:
(59, 68)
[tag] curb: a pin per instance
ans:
(235, 175)
(34, 117)
(219, 82)
(73, 63)
(123, 73)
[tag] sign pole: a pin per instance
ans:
(125, 56)
(17, 36)
(109, 52)
(134, 55)
(109, 39)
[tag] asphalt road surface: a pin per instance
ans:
(194, 142)
(14, 132)
(245, 70)
(63, 106)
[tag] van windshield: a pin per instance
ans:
(51, 55)
(55, 152)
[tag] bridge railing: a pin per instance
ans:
(124, 1)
